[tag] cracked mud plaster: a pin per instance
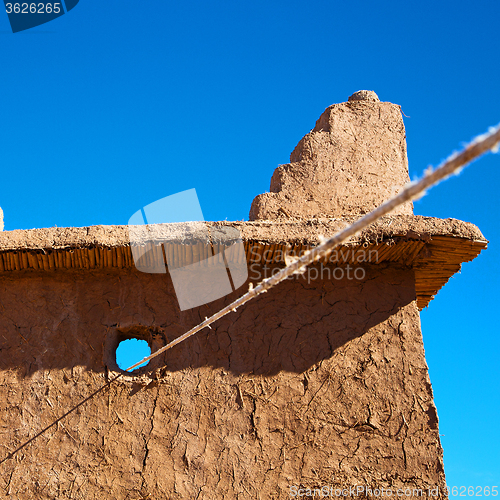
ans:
(310, 384)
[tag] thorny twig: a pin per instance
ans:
(413, 190)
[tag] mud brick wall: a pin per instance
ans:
(311, 384)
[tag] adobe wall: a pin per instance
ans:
(308, 385)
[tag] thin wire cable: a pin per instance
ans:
(55, 422)
(413, 190)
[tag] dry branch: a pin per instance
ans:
(413, 190)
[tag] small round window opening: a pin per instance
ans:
(131, 351)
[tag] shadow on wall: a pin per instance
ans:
(62, 320)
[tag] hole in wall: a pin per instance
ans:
(131, 351)
(139, 341)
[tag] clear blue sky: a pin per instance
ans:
(117, 104)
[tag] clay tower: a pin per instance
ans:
(351, 162)
(319, 384)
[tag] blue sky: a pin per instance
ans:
(117, 104)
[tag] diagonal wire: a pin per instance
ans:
(413, 190)
(55, 422)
